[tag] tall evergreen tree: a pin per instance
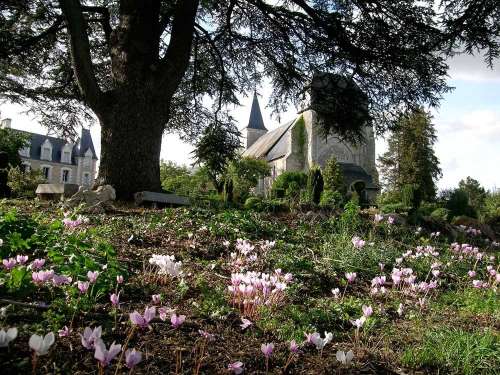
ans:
(410, 158)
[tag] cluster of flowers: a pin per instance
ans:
(379, 218)
(91, 340)
(470, 231)
(252, 289)
(492, 281)
(466, 251)
(70, 222)
(167, 266)
(143, 320)
(246, 253)
(10, 263)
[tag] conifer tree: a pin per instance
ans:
(410, 158)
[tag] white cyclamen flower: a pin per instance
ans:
(7, 337)
(41, 345)
(345, 358)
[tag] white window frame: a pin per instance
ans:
(46, 145)
(25, 151)
(49, 174)
(69, 175)
(68, 148)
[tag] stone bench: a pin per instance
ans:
(56, 191)
(159, 199)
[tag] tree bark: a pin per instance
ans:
(131, 135)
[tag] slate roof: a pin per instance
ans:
(255, 121)
(79, 149)
(272, 145)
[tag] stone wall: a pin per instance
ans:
(76, 174)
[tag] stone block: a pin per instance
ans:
(56, 191)
(159, 199)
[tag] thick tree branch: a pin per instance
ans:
(80, 52)
(104, 21)
(176, 60)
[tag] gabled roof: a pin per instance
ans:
(271, 145)
(256, 121)
(79, 149)
(86, 143)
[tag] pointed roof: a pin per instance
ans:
(256, 121)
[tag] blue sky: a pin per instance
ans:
(467, 124)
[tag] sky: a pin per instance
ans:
(467, 124)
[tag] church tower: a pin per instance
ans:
(255, 128)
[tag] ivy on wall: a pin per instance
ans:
(299, 137)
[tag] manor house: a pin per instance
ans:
(60, 161)
(298, 144)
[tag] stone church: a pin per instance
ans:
(298, 144)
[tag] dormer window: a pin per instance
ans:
(87, 160)
(66, 154)
(25, 151)
(46, 150)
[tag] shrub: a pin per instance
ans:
(24, 183)
(440, 214)
(315, 184)
(290, 183)
(245, 174)
(394, 207)
(491, 208)
(253, 203)
(333, 176)
(457, 201)
(410, 195)
(331, 199)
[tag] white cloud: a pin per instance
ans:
(473, 68)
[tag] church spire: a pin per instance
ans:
(256, 121)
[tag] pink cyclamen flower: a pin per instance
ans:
(350, 276)
(206, 335)
(22, 259)
(471, 273)
(59, 280)
(477, 283)
(378, 218)
(37, 263)
(390, 220)
(357, 242)
(103, 355)
(294, 348)
(156, 299)
(132, 357)
(115, 299)
(245, 323)
(119, 279)
(367, 311)
(9, 263)
(235, 367)
(64, 332)
(42, 276)
(143, 320)
(92, 276)
(90, 336)
(311, 338)
(435, 273)
(83, 286)
(177, 320)
(267, 349)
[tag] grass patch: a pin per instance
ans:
(473, 301)
(456, 352)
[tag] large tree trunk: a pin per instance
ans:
(130, 149)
